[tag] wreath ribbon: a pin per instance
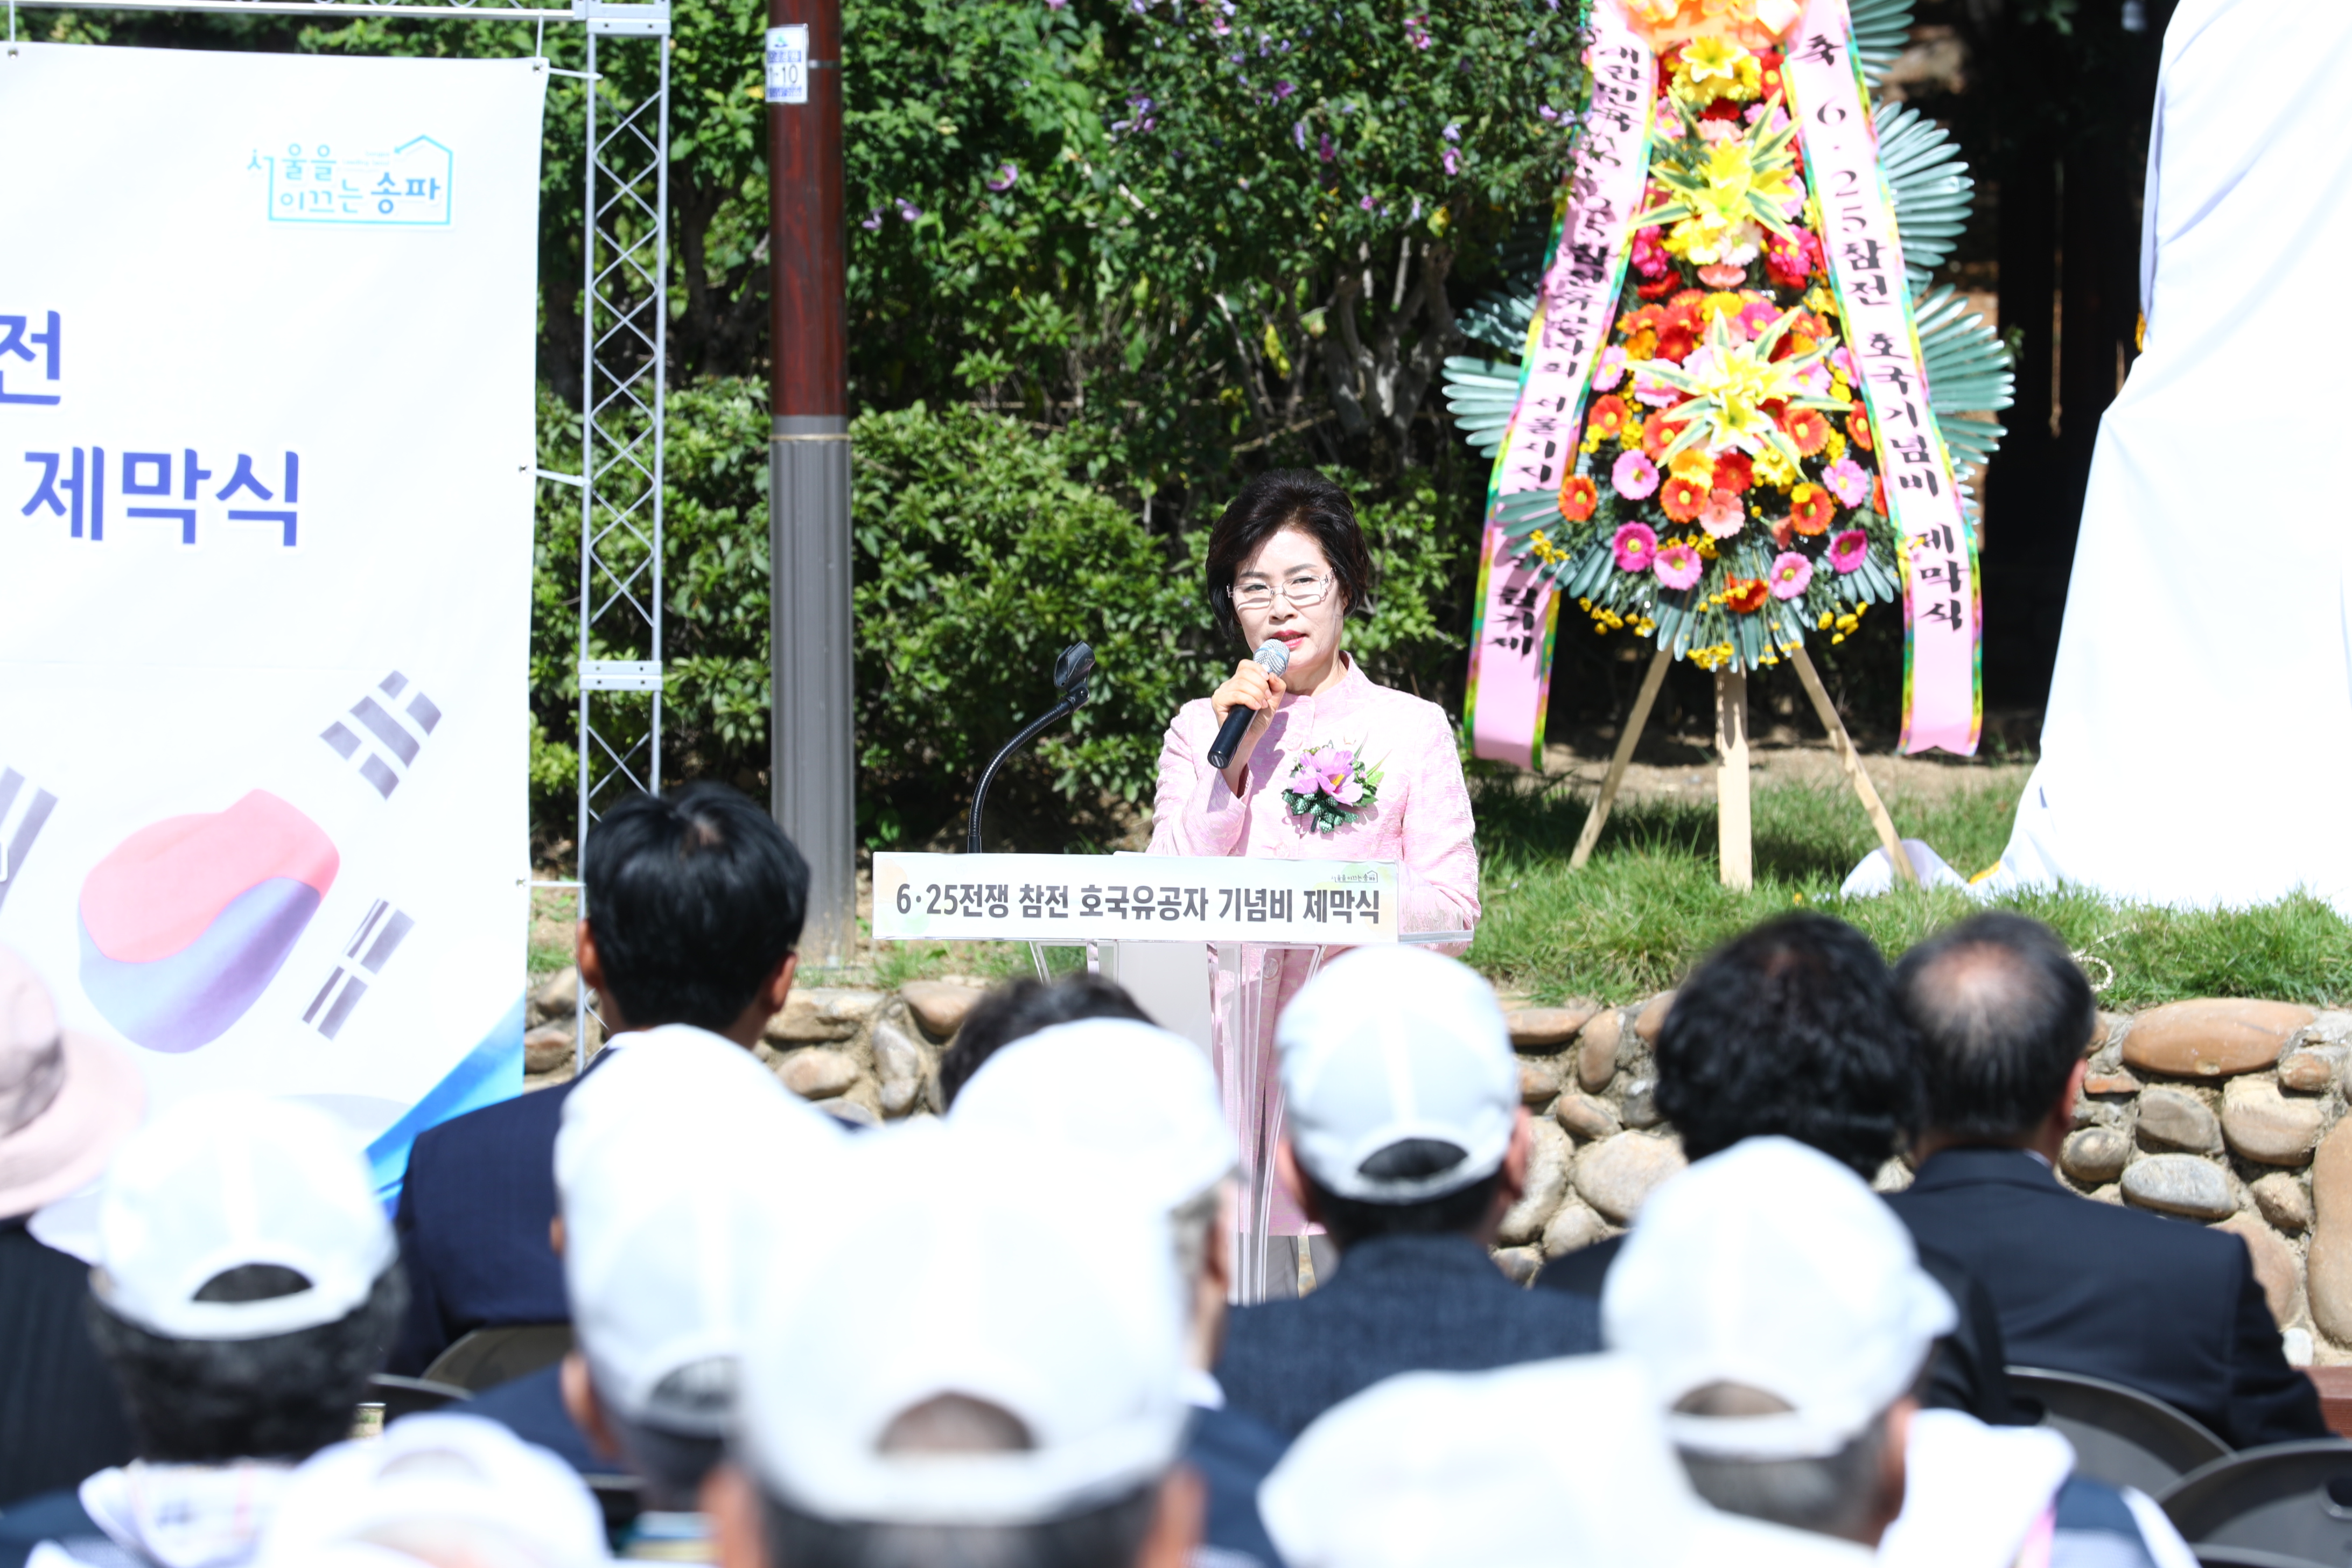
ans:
(1511, 630)
(1943, 651)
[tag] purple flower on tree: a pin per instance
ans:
(873, 219)
(1325, 145)
(908, 211)
(1453, 160)
(1298, 134)
(1452, 132)
(1005, 178)
(1283, 90)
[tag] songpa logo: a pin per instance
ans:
(313, 182)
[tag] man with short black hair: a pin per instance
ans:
(246, 1285)
(1022, 1007)
(694, 901)
(2005, 1019)
(1791, 1029)
(1408, 1144)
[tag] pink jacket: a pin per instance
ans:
(1422, 817)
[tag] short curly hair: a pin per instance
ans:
(1791, 1028)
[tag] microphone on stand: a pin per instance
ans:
(1271, 658)
(1072, 672)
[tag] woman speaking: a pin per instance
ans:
(1381, 769)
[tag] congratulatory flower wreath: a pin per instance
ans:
(1726, 468)
(1725, 497)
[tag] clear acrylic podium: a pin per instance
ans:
(1193, 939)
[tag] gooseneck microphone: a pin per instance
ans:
(1271, 658)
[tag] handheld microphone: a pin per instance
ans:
(1271, 658)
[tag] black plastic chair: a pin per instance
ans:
(489, 1357)
(2121, 1435)
(2246, 1557)
(411, 1396)
(622, 1497)
(2288, 1503)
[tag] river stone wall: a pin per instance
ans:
(2220, 1112)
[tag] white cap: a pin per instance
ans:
(676, 1159)
(1387, 1044)
(222, 1181)
(1773, 1266)
(1430, 1467)
(1019, 1280)
(431, 1483)
(1134, 1098)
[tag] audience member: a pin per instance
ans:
(1015, 1397)
(66, 1099)
(2167, 1306)
(1019, 1009)
(1408, 1144)
(1790, 1028)
(1557, 1462)
(1141, 1103)
(1786, 1324)
(694, 901)
(443, 1492)
(674, 1168)
(245, 1285)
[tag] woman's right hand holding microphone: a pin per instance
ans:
(1250, 687)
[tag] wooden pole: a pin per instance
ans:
(1735, 828)
(1848, 759)
(1634, 723)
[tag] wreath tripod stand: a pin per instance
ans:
(1734, 828)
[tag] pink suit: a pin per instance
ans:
(1420, 818)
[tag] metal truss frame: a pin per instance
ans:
(624, 250)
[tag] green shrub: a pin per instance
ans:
(979, 556)
(979, 560)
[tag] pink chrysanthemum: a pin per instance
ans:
(1849, 550)
(1790, 575)
(1679, 566)
(1610, 369)
(1636, 546)
(1634, 476)
(1847, 480)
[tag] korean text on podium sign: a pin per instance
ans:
(1134, 898)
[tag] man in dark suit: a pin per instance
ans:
(1790, 1028)
(2161, 1305)
(695, 901)
(1408, 1144)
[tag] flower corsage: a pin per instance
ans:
(1329, 784)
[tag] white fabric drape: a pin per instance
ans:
(2199, 737)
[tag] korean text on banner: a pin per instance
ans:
(1134, 898)
(265, 454)
(1942, 654)
(1511, 634)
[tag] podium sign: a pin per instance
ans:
(1136, 898)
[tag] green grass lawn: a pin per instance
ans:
(1648, 903)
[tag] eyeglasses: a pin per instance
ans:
(1305, 592)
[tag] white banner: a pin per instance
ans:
(1134, 898)
(265, 450)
